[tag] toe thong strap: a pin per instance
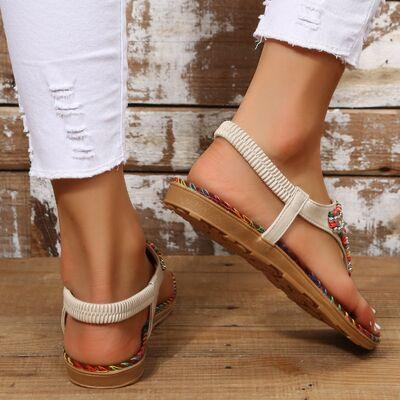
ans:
(95, 313)
(328, 217)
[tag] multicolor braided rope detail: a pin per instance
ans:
(338, 226)
(141, 352)
(158, 252)
(261, 229)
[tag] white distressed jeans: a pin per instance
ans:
(69, 60)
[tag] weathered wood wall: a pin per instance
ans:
(185, 78)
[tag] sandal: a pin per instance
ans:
(131, 370)
(262, 246)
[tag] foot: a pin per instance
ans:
(114, 343)
(222, 171)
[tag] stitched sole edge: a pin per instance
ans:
(232, 233)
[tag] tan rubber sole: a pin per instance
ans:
(115, 379)
(240, 238)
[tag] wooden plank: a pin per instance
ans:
(253, 377)
(356, 142)
(206, 56)
(213, 343)
(14, 215)
(7, 82)
(199, 307)
(371, 207)
(45, 231)
(13, 141)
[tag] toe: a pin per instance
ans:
(353, 301)
(365, 315)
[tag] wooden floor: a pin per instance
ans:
(232, 336)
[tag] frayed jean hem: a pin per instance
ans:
(344, 58)
(79, 174)
(337, 28)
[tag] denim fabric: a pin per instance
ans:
(70, 67)
(338, 27)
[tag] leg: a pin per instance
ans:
(102, 261)
(288, 122)
(69, 61)
(284, 111)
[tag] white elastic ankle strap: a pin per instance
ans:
(95, 313)
(296, 201)
(257, 159)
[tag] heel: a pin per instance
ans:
(130, 370)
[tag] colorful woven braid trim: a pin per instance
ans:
(158, 252)
(338, 226)
(140, 354)
(259, 228)
(109, 368)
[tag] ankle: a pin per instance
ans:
(292, 142)
(107, 273)
(287, 139)
(211, 170)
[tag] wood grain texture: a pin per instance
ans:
(14, 215)
(202, 52)
(13, 141)
(356, 142)
(232, 336)
(204, 59)
(370, 204)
